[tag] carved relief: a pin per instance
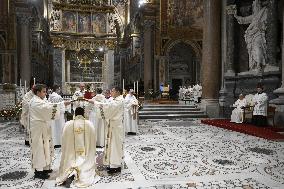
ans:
(55, 20)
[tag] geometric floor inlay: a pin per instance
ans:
(165, 154)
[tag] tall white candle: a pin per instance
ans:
(34, 80)
(123, 84)
(137, 89)
(25, 89)
(20, 87)
(134, 86)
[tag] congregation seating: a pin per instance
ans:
(247, 114)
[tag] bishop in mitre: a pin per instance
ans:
(113, 111)
(96, 118)
(58, 123)
(41, 113)
(237, 113)
(24, 115)
(131, 113)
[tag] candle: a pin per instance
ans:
(123, 84)
(25, 89)
(134, 86)
(137, 89)
(20, 87)
(34, 80)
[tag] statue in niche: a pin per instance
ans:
(255, 35)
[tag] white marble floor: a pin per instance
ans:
(165, 155)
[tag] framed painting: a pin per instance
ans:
(99, 23)
(69, 20)
(84, 23)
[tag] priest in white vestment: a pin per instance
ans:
(24, 115)
(97, 120)
(58, 123)
(237, 113)
(41, 113)
(113, 112)
(198, 88)
(195, 93)
(260, 101)
(131, 113)
(78, 159)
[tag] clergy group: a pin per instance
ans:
(257, 104)
(101, 121)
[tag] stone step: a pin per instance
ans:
(170, 112)
(180, 106)
(172, 116)
(169, 109)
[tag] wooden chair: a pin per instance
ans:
(271, 114)
(247, 114)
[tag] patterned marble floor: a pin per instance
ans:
(165, 154)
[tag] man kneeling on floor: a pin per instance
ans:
(78, 159)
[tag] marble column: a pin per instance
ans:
(68, 71)
(279, 102)
(211, 54)
(25, 61)
(272, 32)
(109, 73)
(227, 58)
(57, 66)
(5, 78)
(148, 55)
(122, 60)
(162, 73)
(230, 46)
(63, 74)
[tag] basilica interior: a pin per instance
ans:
(157, 48)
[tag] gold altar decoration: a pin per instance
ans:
(85, 57)
(84, 24)
(82, 6)
(78, 44)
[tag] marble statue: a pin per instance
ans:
(255, 36)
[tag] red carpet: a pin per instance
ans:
(267, 132)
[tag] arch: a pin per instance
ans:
(185, 71)
(195, 46)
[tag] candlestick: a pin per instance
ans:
(123, 84)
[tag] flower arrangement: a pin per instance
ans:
(11, 112)
(9, 87)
